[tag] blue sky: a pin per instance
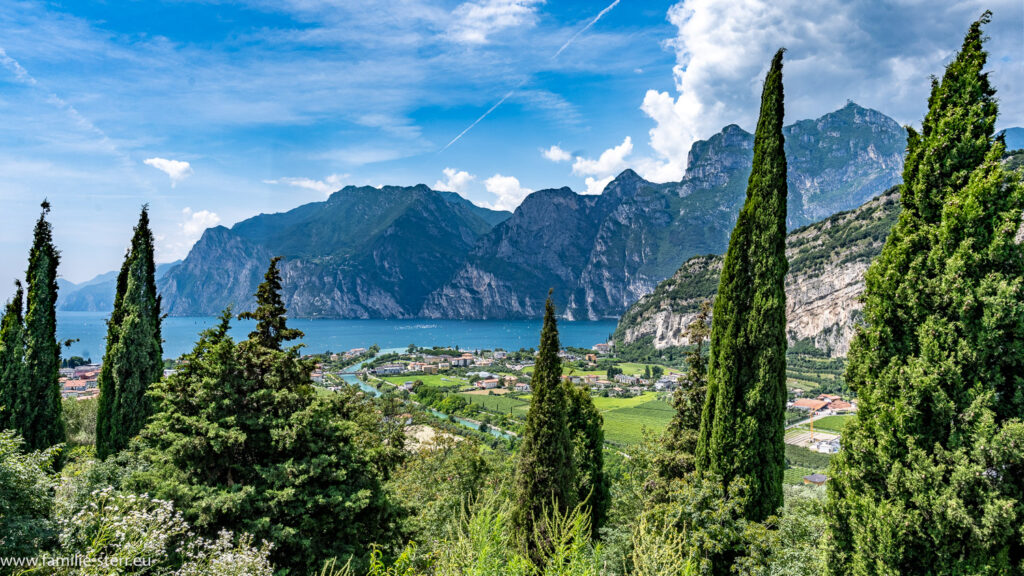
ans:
(212, 112)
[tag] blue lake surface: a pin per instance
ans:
(181, 333)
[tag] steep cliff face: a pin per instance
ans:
(364, 253)
(826, 277)
(402, 252)
(637, 233)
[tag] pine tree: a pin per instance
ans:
(12, 361)
(40, 411)
(586, 426)
(545, 472)
(680, 438)
(931, 475)
(743, 420)
(133, 359)
(271, 323)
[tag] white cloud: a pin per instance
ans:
(177, 170)
(194, 223)
(879, 54)
(596, 185)
(190, 229)
(332, 183)
(556, 154)
(475, 21)
(609, 163)
(509, 191)
(456, 181)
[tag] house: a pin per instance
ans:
(389, 369)
(636, 390)
(443, 365)
(461, 362)
(616, 391)
(169, 372)
(429, 369)
(67, 372)
(809, 405)
(841, 406)
(522, 387)
(828, 398)
(317, 376)
(826, 446)
(487, 384)
(591, 378)
(592, 358)
(510, 379)
(626, 379)
(815, 479)
(602, 348)
(499, 355)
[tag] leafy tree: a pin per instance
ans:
(586, 425)
(241, 440)
(39, 409)
(133, 360)
(931, 476)
(12, 362)
(613, 371)
(545, 475)
(680, 438)
(743, 421)
(26, 498)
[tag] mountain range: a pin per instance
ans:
(401, 252)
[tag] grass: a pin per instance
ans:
(624, 421)
(637, 369)
(832, 423)
(496, 404)
(433, 380)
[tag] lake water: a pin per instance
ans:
(181, 333)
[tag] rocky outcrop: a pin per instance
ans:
(826, 278)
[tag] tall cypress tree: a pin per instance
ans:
(931, 475)
(42, 420)
(743, 420)
(545, 473)
(12, 360)
(133, 359)
(586, 426)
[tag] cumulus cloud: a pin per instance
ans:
(474, 22)
(879, 54)
(600, 171)
(556, 154)
(194, 223)
(326, 186)
(510, 193)
(177, 170)
(455, 181)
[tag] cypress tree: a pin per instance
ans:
(545, 473)
(133, 359)
(12, 360)
(586, 426)
(743, 420)
(931, 475)
(40, 413)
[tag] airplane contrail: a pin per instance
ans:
(585, 28)
(518, 86)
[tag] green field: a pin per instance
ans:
(435, 380)
(795, 475)
(501, 404)
(623, 426)
(832, 423)
(637, 369)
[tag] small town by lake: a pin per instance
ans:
(89, 330)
